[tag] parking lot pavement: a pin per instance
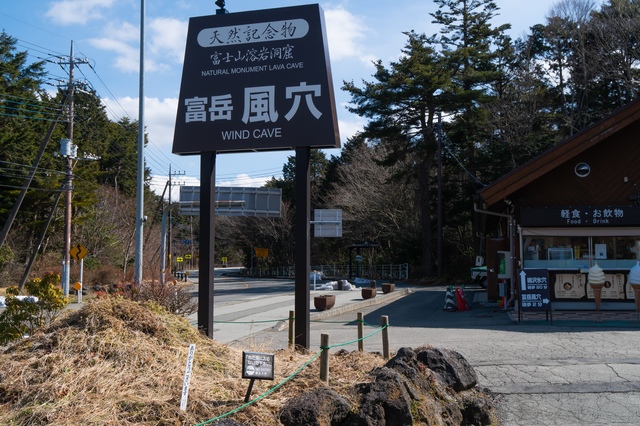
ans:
(540, 374)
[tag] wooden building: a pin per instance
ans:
(572, 206)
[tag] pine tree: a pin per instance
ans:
(401, 106)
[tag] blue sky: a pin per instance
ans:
(107, 33)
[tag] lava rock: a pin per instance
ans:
(451, 368)
(384, 402)
(322, 407)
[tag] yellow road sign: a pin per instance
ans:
(262, 252)
(187, 256)
(77, 286)
(179, 259)
(78, 252)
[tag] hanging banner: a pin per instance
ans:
(256, 81)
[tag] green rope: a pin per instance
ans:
(291, 376)
(249, 322)
(245, 322)
(263, 395)
(357, 340)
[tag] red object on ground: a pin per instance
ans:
(462, 304)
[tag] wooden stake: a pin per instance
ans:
(324, 358)
(385, 337)
(360, 332)
(292, 321)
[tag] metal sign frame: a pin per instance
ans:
(235, 201)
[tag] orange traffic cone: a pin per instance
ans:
(462, 305)
(464, 299)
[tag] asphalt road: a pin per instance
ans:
(229, 288)
(541, 375)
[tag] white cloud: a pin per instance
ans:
(244, 179)
(346, 34)
(127, 57)
(168, 38)
(67, 12)
(350, 128)
(159, 118)
(158, 182)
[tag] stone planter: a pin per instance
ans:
(369, 293)
(372, 284)
(324, 302)
(341, 284)
(388, 287)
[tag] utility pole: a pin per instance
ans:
(440, 250)
(171, 174)
(140, 219)
(68, 155)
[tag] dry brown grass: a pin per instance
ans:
(118, 362)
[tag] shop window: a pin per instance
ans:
(564, 252)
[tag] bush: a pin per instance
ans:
(6, 254)
(24, 317)
(176, 298)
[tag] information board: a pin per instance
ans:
(535, 294)
(256, 81)
(256, 365)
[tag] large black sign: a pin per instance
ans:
(256, 81)
(535, 294)
(581, 216)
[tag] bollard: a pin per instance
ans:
(360, 332)
(292, 323)
(324, 358)
(385, 336)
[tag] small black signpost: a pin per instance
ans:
(256, 365)
(535, 294)
(256, 81)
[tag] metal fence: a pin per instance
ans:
(398, 272)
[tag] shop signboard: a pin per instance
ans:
(580, 216)
(535, 294)
(256, 81)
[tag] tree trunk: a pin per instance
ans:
(425, 214)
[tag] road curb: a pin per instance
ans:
(283, 325)
(364, 304)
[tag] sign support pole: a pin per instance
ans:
(207, 241)
(81, 284)
(303, 251)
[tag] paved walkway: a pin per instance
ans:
(542, 374)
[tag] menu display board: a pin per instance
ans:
(613, 287)
(570, 286)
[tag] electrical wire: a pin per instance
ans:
(455, 157)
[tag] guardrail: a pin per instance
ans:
(398, 272)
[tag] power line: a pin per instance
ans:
(31, 25)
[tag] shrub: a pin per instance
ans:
(6, 254)
(24, 317)
(174, 297)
